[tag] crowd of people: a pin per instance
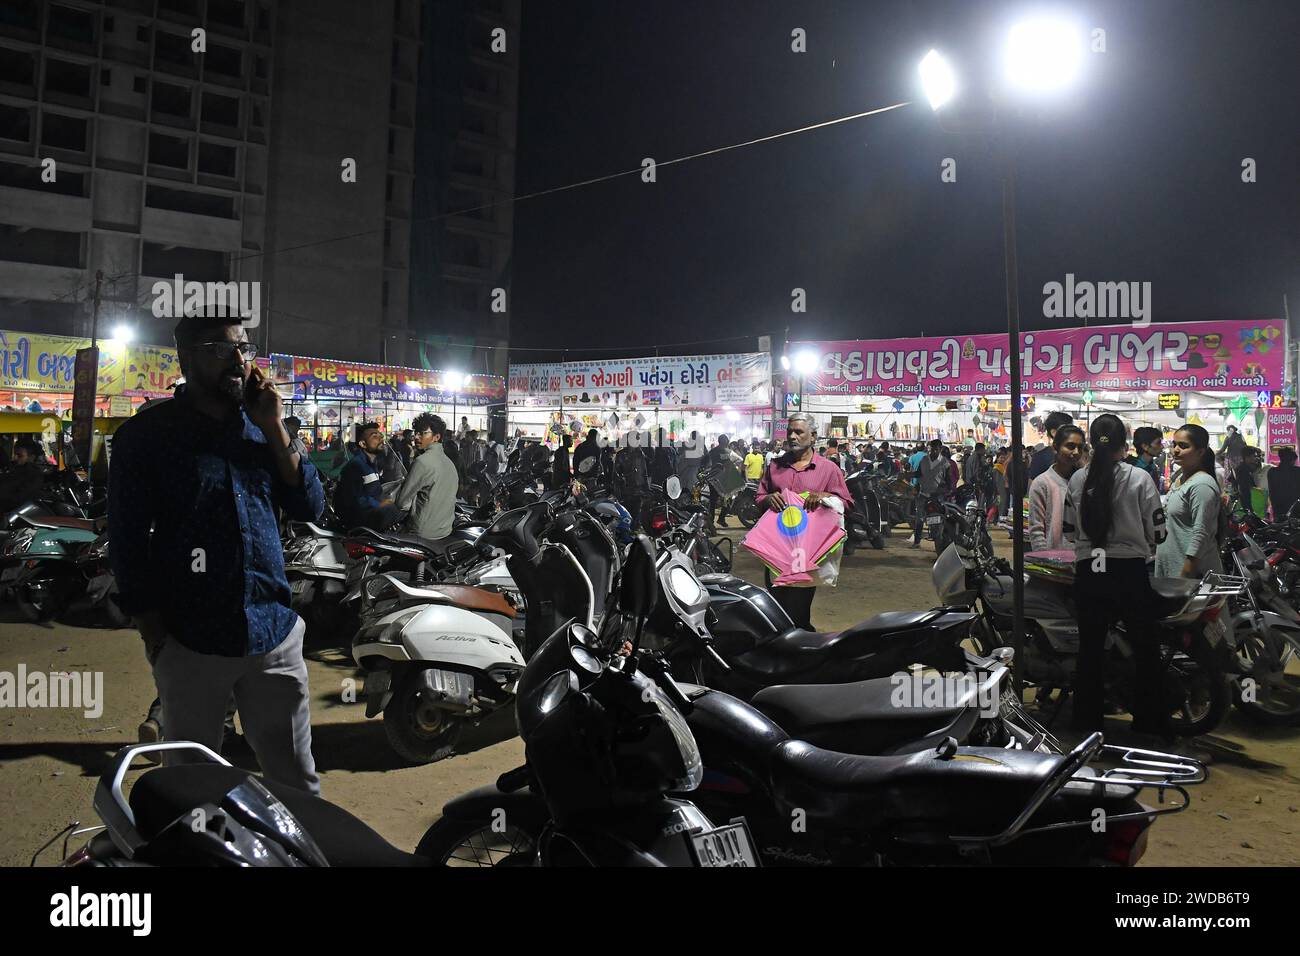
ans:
(199, 567)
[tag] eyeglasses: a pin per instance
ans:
(227, 350)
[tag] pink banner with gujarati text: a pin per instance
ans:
(1185, 356)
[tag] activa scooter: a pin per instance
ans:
(435, 656)
(438, 654)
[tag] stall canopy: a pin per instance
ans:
(956, 387)
(742, 381)
(1190, 356)
(33, 364)
(710, 394)
(315, 378)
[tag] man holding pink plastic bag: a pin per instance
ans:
(802, 479)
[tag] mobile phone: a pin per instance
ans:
(252, 385)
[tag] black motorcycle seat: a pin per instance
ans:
(796, 650)
(877, 716)
(162, 795)
(979, 791)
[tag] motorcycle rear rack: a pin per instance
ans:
(1067, 773)
(1153, 765)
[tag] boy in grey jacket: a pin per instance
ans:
(429, 492)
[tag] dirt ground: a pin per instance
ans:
(1247, 813)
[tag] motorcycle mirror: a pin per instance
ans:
(639, 587)
(673, 486)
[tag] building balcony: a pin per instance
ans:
(469, 225)
(28, 280)
(44, 210)
(493, 61)
(479, 140)
(485, 100)
(169, 227)
(480, 183)
(472, 273)
(115, 52)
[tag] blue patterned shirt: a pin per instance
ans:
(192, 527)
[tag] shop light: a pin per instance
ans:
(122, 334)
(453, 380)
(805, 363)
(785, 362)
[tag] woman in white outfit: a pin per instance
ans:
(1048, 492)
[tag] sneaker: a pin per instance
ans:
(915, 544)
(150, 732)
(722, 523)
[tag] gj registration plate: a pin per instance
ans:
(725, 846)
(932, 520)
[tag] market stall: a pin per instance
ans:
(36, 374)
(709, 394)
(330, 397)
(956, 388)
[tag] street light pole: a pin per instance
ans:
(1017, 427)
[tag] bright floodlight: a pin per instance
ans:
(785, 362)
(123, 333)
(454, 380)
(937, 79)
(1043, 54)
(805, 363)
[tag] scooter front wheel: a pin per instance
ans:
(419, 732)
(43, 597)
(747, 509)
(459, 842)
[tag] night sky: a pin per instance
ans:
(1138, 177)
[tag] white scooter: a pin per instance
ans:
(435, 656)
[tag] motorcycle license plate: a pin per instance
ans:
(729, 845)
(933, 520)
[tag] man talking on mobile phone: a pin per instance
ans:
(192, 497)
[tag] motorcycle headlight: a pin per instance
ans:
(684, 586)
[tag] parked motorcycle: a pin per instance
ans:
(933, 803)
(611, 760)
(55, 564)
(1196, 652)
(668, 508)
(865, 522)
(1266, 635)
(745, 505)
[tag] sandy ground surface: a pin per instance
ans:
(50, 760)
